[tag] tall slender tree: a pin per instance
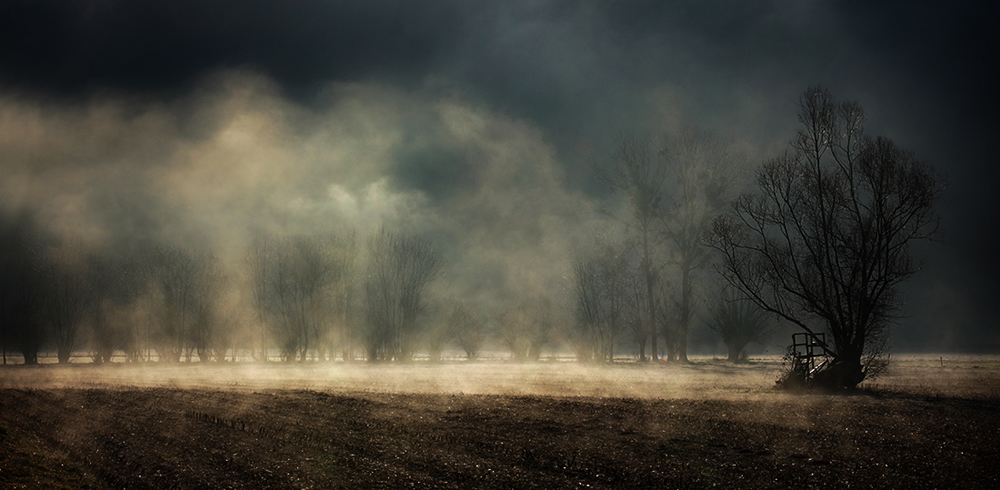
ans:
(639, 175)
(704, 172)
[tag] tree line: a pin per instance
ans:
(308, 297)
(818, 237)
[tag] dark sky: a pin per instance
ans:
(578, 72)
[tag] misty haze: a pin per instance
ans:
(476, 245)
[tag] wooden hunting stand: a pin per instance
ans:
(805, 350)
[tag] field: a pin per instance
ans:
(930, 422)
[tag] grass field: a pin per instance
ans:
(931, 421)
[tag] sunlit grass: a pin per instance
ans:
(921, 375)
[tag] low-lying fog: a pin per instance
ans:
(968, 376)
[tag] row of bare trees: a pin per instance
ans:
(297, 296)
(609, 298)
(56, 293)
(647, 282)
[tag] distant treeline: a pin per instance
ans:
(322, 297)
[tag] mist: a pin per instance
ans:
(236, 156)
(476, 128)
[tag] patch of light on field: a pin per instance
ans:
(496, 377)
(925, 375)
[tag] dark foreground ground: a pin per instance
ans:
(217, 438)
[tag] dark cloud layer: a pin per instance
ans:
(572, 72)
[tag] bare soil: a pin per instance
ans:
(128, 436)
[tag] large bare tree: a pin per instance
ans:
(178, 273)
(302, 288)
(299, 289)
(825, 240)
(342, 292)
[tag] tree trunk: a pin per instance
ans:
(63, 353)
(844, 371)
(670, 343)
(682, 331)
(647, 265)
(30, 356)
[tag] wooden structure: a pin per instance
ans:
(809, 352)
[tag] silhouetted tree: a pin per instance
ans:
(399, 270)
(21, 288)
(66, 295)
(601, 288)
(639, 175)
(738, 322)
(303, 287)
(638, 328)
(525, 328)
(134, 278)
(703, 173)
(343, 293)
(825, 240)
(301, 273)
(178, 274)
(258, 258)
(468, 330)
(103, 278)
(585, 335)
(213, 332)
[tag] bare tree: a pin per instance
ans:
(299, 272)
(134, 278)
(66, 295)
(525, 328)
(601, 287)
(179, 274)
(343, 292)
(467, 329)
(703, 173)
(213, 333)
(437, 330)
(738, 322)
(824, 242)
(636, 313)
(585, 335)
(102, 280)
(258, 258)
(21, 291)
(640, 175)
(399, 271)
